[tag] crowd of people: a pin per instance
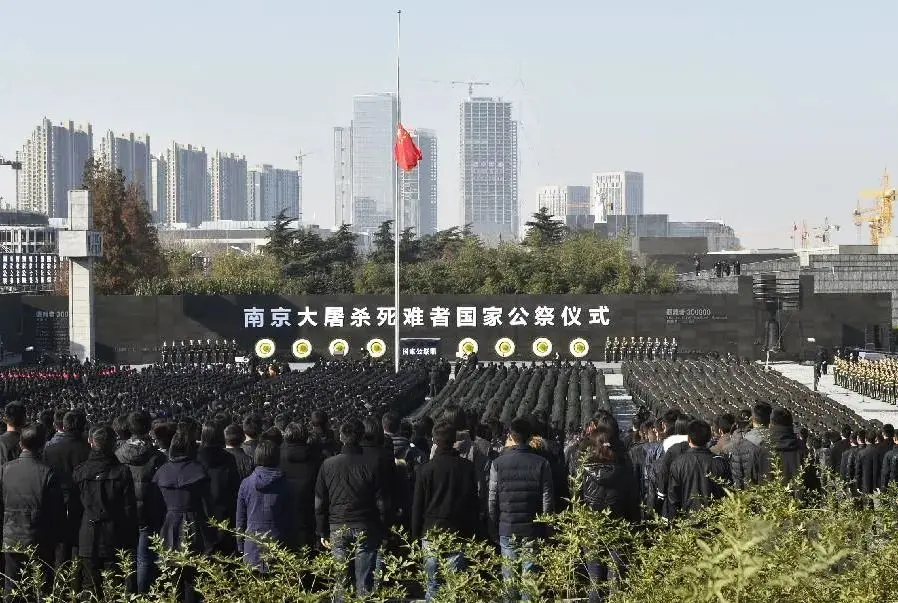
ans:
(567, 394)
(115, 456)
(871, 378)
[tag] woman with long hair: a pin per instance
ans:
(608, 482)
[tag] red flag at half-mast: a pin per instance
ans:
(406, 151)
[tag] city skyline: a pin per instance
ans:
(759, 135)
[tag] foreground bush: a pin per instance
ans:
(757, 546)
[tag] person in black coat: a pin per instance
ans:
(234, 438)
(109, 516)
(446, 499)
(352, 504)
(692, 482)
(184, 485)
(790, 451)
(609, 482)
(32, 503)
(69, 450)
(868, 461)
(142, 459)
(300, 463)
(224, 483)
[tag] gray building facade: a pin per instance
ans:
(375, 118)
(187, 194)
(131, 155)
(419, 186)
(53, 160)
(488, 149)
(270, 190)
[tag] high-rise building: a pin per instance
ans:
(228, 187)
(617, 194)
(419, 186)
(563, 201)
(158, 187)
(342, 175)
(53, 160)
(187, 194)
(270, 190)
(489, 168)
(131, 155)
(375, 118)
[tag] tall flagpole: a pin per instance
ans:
(396, 204)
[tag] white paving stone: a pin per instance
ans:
(867, 408)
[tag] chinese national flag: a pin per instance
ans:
(406, 152)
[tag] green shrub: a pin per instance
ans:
(762, 545)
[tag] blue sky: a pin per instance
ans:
(761, 114)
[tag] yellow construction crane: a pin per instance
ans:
(880, 215)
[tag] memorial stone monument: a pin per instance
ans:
(80, 245)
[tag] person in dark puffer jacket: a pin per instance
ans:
(142, 458)
(264, 505)
(520, 488)
(609, 482)
(109, 519)
(32, 502)
(692, 482)
(70, 450)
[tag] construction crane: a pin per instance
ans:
(470, 85)
(824, 233)
(879, 217)
(299, 159)
(13, 163)
(16, 165)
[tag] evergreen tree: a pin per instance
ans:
(543, 230)
(383, 243)
(281, 237)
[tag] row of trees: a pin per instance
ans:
(451, 261)
(299, 261)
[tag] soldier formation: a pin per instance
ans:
(220, 351)
(871, 378)
(644, 348)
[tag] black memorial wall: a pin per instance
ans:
(11, 321)
(131, 329)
